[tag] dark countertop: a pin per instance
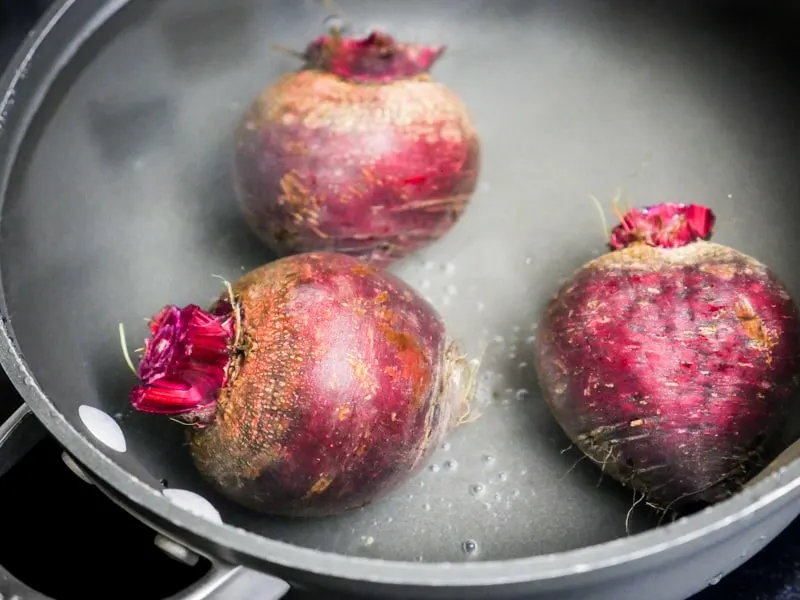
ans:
(27, 495)
(773, 574)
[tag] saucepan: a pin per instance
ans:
(116, 124)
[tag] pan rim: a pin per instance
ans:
(759, 500)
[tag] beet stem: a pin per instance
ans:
(185, 362)
(619, 214)
(290, 51)
(626, 201)
(237, 313)
(601, 212)
(123, 342)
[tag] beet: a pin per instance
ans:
(671, 361)
(359, 152)
(322, 385)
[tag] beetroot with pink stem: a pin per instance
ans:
(316, 385)
(671, 361)
(359, 152)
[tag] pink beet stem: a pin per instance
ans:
(377, 58)
(663, 226)
(620, 216)
(185, 362)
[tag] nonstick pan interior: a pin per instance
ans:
(122, 202)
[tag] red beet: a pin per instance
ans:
(671, 361)
(323, 384)
(359, 152)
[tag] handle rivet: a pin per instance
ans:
(175, 550)
(75, 468)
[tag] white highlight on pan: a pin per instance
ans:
(194, 503)
(103, 427)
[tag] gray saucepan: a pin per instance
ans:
(116, 122)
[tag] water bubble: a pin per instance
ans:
(477, 489)
(523, 472)
(521, 394)
(516, 328)
(368, 540)
(427, 265)
(481, 306)
(434, 468)
(451, 290)
(418, 558)
(528, 260)
(449, 269)
(426, 283)
(716, 579)
(512, 355)
(411, 496)
(28, 380)
(446, 446)
(487, 506)
(470, 547)
(389, 520)
(499, 339)
(426, 507)
(531, 339)
(502, 476)
(515, 494)
(446, 301)
(497, 496)
(523, 365)
(450, 465)
(488, 458)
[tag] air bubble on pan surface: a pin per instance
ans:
(103, 427)
(194, 503)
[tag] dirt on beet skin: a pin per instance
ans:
(340, 394)
(672, 368)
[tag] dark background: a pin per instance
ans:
(52, 521)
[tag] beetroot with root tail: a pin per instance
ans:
(671, 361)
(359, 152)
(314, 386)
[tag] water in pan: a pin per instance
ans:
(125, 204)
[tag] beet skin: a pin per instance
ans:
(359, 152)
(671, 361)
(337, 384)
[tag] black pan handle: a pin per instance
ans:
(227, 582)
(22, 431)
